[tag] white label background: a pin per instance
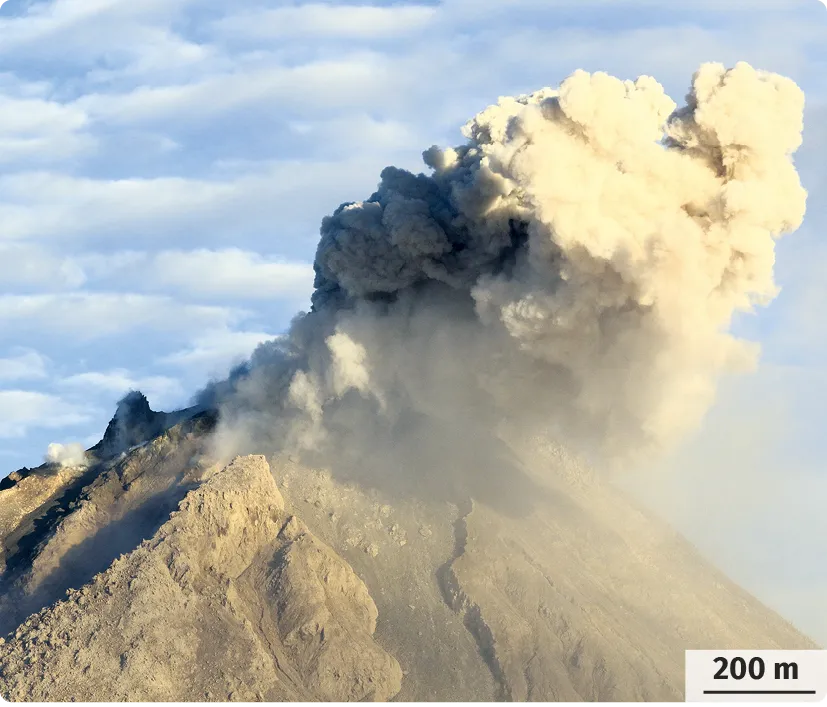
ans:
(701, 669)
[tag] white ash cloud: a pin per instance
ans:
(66, 455)
(573, 267)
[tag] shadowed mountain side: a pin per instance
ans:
(134, 423)
(61, 526)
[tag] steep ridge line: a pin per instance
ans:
(102, 513)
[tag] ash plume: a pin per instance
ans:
(67, 455)
(571, 269)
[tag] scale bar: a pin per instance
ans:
(759, 692)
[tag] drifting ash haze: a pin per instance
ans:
(559, 288)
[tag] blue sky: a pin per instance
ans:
(165, 165)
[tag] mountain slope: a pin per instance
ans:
(232, 598)
(597, 601)
(568, 589)
(541, 583)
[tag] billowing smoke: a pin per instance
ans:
(66, 455)
(571, 269)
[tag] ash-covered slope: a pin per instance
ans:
(587, 597)
(32, 501)
(476, 594)
(62, 525)
(570, 592)
(232, 598)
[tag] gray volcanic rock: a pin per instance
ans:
(157, 574)
(580, 595)
(589, 598)
(232, 598)
(59, 526)
(26, 492)
(134, 422)
(34, 501)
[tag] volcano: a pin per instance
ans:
(408, 495)
(154, 574)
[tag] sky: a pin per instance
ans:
(165, 165)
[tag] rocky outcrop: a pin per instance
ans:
(135, 423)
(33, 502)
(232, 598)
(61, 526)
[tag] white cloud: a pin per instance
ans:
(320, 20)
(41, 130)
(22, 410)
(266, 198)
(432, 58)
(231, 273)
(215, 352)
(217, 274)
(348, 81)
(358, 132)
(80, 28)
(88, 316)
(483, 7)
(23, 264)
(27, 365)
(32, 116)
(42, 203)
(14, 86)
(161, 391)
